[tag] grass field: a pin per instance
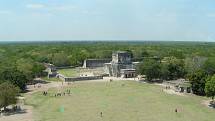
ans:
(69, 72)
(75, 72)
(119, 101)
(51, 79)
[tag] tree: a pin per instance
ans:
(8, 93)
(151, 68)
(176, 53)
(140, 53)
(14, 76)
(103, 54)
(210, 87)
(194, 63)
(197, 80)
(165, 72)
(209, 66)
(37, 69)
(26, 67)
(60, 59)
(173, 68)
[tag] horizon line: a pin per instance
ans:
(105, 41)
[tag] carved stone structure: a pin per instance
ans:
(121, 65)
(51, 70)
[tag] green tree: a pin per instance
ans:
(73, 60)
(103, 54)
(26, 67)
(173, 68)
(198, 80)
(8, 93)
(209, 66)
(176, 53)
(165, 71)
(151, 68)
(140, 53)
(210, 87)
(60, 59)
(37, 70)
(194, 63)
(14, 76)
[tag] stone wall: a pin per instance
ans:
(68, 79)
(94, 63)
(122, 57)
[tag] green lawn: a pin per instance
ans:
(69, 72)
(131, 102)
(51, 79)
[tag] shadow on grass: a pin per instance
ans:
(38, 81)
(151, 81)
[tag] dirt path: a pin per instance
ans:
(170, 91)
(207, 103)
(25, 116)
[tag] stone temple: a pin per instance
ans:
(121, 65)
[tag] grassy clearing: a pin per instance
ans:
(51, 79)
(69, 72)
(131, 102)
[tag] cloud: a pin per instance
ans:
(35, 6)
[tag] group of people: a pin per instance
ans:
(68, 92)
(37, 85)
(168, 87)
(63, 94)
(45, 93)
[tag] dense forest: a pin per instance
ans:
(73, 53)
(20, 62)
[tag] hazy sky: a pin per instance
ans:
(107, 20)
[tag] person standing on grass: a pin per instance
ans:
(176, 110)
(101, 114)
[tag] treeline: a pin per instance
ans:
(64, 54)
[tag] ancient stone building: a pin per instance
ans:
(51, 70)
(121, 65)
(94, 63)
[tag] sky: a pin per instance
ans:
(178, 20)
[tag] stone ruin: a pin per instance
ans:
(95, 63)
(51, 70)
(121, 65)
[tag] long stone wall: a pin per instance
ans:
(68, 79)
(94, 63)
